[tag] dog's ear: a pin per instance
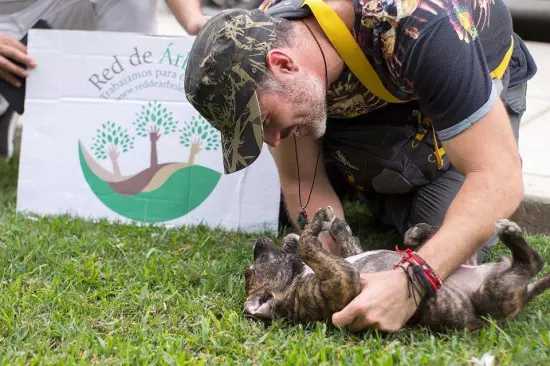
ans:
(290, 244)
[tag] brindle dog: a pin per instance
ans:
(301, 282)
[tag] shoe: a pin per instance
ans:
(7, 132)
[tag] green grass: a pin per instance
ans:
(77, 292)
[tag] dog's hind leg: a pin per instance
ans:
(538, 287)
(504, 294)
(341, 232)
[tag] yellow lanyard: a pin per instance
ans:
(346, 46)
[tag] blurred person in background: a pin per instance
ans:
(18, 16)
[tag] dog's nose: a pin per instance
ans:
(248, 310)
(250, 313)
(255, 310)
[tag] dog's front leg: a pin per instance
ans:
(339, 280)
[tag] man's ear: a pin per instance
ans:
(279, 61)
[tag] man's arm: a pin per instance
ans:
(451, 80)
(322, 195)
(188, 13)
(487, 154)
(455, 89)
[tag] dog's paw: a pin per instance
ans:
(326, 214)
(417, 235)
(508, 227)
(339, 229)
(322, 220)
(291, 243)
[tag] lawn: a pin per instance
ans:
(77, 292)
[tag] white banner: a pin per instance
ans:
(108, 133)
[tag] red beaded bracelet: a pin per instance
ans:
(414, 258)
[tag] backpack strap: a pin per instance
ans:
(499, 71)
(346, 46)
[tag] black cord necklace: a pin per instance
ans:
(302, 216)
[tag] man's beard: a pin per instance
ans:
(307, 96)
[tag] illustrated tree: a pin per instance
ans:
(110, 140)
(197, 132)
(154, 121)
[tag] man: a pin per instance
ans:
(17, 16)
(462, 72)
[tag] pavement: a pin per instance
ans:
(534, 145)
(534, 138)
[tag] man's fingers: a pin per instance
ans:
(354, 319)
(360, 323)
(348, 314)
(8, 66)
(9, 40)
(15, 50)
(9, 78)
(16, 55)
(19, 56)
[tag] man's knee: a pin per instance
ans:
(431, 202)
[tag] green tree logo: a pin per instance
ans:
(141, 195)
(109, 142)
(197, 132)
(154, 121)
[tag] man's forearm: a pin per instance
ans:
(186, 12)
(183, 9)
(470, 220)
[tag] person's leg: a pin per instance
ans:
(70, 15)
(127, 16)
(7, 130)
(16, 21)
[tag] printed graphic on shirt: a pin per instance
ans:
(388, 30)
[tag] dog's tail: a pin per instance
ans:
(538, 287)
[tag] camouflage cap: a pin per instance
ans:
(226, 63)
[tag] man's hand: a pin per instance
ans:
(383, 303)
(10, 50)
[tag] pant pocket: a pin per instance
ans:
(515, 101)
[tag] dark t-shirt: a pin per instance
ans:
(438, 52)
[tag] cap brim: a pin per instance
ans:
(242, 144)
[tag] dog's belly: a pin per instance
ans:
(466, 278)
(469, 278)
(372, 261)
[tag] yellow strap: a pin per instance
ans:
(501, 68)
(439, 151)
(346, 46)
